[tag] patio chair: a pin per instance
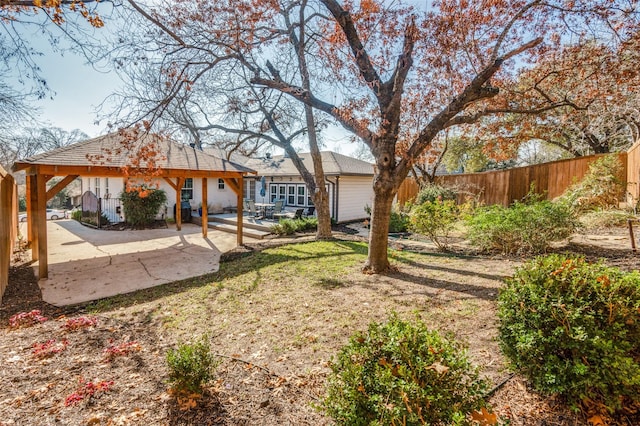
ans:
(298, 214)
(246, 208)
(276, 211)
(252, 209)
(310, 211)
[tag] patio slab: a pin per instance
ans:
(87, 264)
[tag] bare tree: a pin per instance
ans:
(394, 76)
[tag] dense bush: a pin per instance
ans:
(398, 221)
(573, 328)
(601, 187)
(191, 366)
(402, 373)
(432, 192)
(435, 219)
(141, 205)
(524, 227)
(291, 226)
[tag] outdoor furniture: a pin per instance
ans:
(276, 210)
(263, 207)
(253, 212)
(310, 211)
(298, 214)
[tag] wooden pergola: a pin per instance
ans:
(177, 162)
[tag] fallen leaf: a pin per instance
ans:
(484, 418)
(596, 420)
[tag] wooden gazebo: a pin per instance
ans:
(112, 156)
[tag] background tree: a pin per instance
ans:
(26, 142)
(198, 77)
(598, 83)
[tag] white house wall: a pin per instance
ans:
(354, 193)
(217, 198)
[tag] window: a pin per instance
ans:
(282, 192)
(291, 195)
(273, 193)
(97, 187)
(220, 183)
(187, 190)
(302, 190)
(249, 189)
(106, 187)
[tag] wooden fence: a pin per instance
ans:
(505, 186)
(8, 225)
(633, 174)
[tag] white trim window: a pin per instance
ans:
(220, 183)
(187, 190)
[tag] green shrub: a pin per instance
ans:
(573, 328)
(402, 373)
(435, 219)
(432, 192)
(524, 227)
(291, 226)
(141, 205)
(191, 366)
(601, 187)
(76, 215)
(398, 221)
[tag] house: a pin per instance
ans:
(349, 182)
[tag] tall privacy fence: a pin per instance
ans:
(8, 225)
(506, 186)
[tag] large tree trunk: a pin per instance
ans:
(321, 201)
(384, 190)
(385, 187)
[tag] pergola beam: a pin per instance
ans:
(53, 191)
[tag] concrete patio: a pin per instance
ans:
(87, 264)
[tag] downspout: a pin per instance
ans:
(337, 197)
(333, 198)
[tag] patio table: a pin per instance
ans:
(263, 207)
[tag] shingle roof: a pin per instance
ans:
(334, 164)
(109, 151)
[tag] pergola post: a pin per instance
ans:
(179, 185)
(31, 214)
(240, 203)
(41, 226)
(237, 185)
(205, 213)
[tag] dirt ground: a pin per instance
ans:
(273, 337)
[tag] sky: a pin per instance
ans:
(78, 89)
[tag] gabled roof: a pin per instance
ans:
(334, 164)
(108, 152)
